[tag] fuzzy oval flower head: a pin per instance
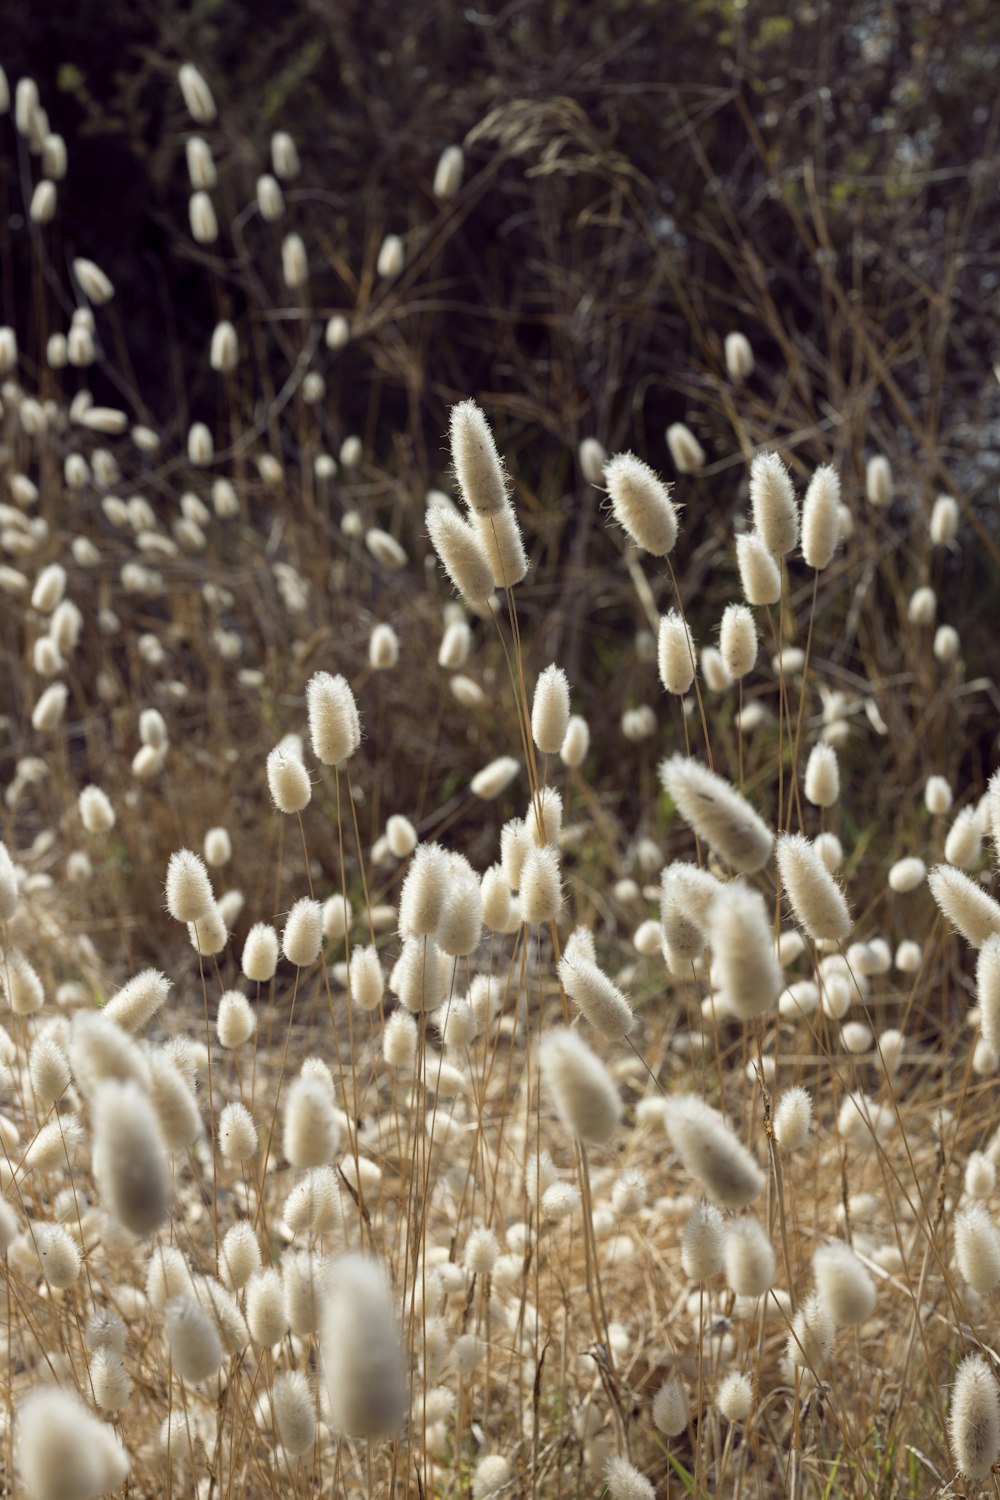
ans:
(479, 470)
(129, 1160)
(821, 517)
(709, 1150)
(625, 1482)
(772, 500)
(585, 1098)
(965, 904)
(188, 890)
(817, 901)
(974, 1418)
(63, 1451)
(361, 1351)
(334, 725)
(461, 553)
(749, 976)
(600, 999)
(550, 710)
(844, 1284)
(641, 504)
(718, 814)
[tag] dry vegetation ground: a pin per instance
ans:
(183, 551)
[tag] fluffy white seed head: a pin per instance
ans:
(418, 977)
(294, 262)
(541, 886)
(576, 742)
(947, 643)
(391, 257)
(312, 1134)
(760, 576)
(109, 1380)
(818, 903)
(495, 777)
(50, 708)
(822, 780)
(294, 1412)
(550, 710)
(448, 173)
(584, 1096)
(600, 1000)
(944, 521)
(138, 1001)
(772, 500)
(21, 984)
(625, 1482)
(810, 1342)
(197, 95)
(239, 1255)
(670, 1414)
(63, 1451)
(479, 470)
(367, 982)
(129, 1159)
(641, 504)
(739, 356)
(189, 893)
(964, 904)
(361, 1353)
(424, 890)
(735, 1396)
(462, 554)
(58, 1256)
(284, 156)
(963, 845)
(288, 780)
(702, 1242)
(977, 1248)
(195, 1345)
(844, 1285)
(270, 199)
(974, 1418)
(593, 457)
(738, 640)
(793, 1119)
(748, 1257)
(237, 1132)
(748, 975)
(717, 813)
(907, 874)
(687, 894)
(492, 1473)
(260, 953)
(711, 1153)
(461, 922)
(687, 453)
(675, 654)
(821, 517)
(96, 812)
(500, 537)
(303, 934)
(334, 725)
(265, 1307)
(879, 486)
(49, 1069)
